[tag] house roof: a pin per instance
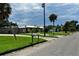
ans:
(31, 26)
(34, 26)
(28, 26)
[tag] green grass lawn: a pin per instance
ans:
(8, 43)
(55, 33)
(50, 33)
(58, 33)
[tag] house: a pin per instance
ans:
(8, 29)
(30, 29)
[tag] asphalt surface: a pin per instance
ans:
(64, 46)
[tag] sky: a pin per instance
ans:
(32, 13)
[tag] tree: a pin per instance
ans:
(77, 27)
(66, 27)
(48, 28)
(70, 26)
(5, 11)
(58, 28)
(73, 25)
(52, 18)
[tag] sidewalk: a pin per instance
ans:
(16, 35)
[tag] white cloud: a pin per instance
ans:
(73, 10)
(61, 5)
(68, 17)
(57, 4)
(25, 7)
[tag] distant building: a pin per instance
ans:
(16, 29)
(8, 30)
(29, 29)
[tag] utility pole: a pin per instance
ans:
(43, 5)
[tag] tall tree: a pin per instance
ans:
(53, 18)
(5, 11)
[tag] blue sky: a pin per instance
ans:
(32, 13)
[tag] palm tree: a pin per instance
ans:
(52, 18)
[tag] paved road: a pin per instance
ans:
(64, 46)
(67, 46)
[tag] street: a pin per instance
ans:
(66, 46)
